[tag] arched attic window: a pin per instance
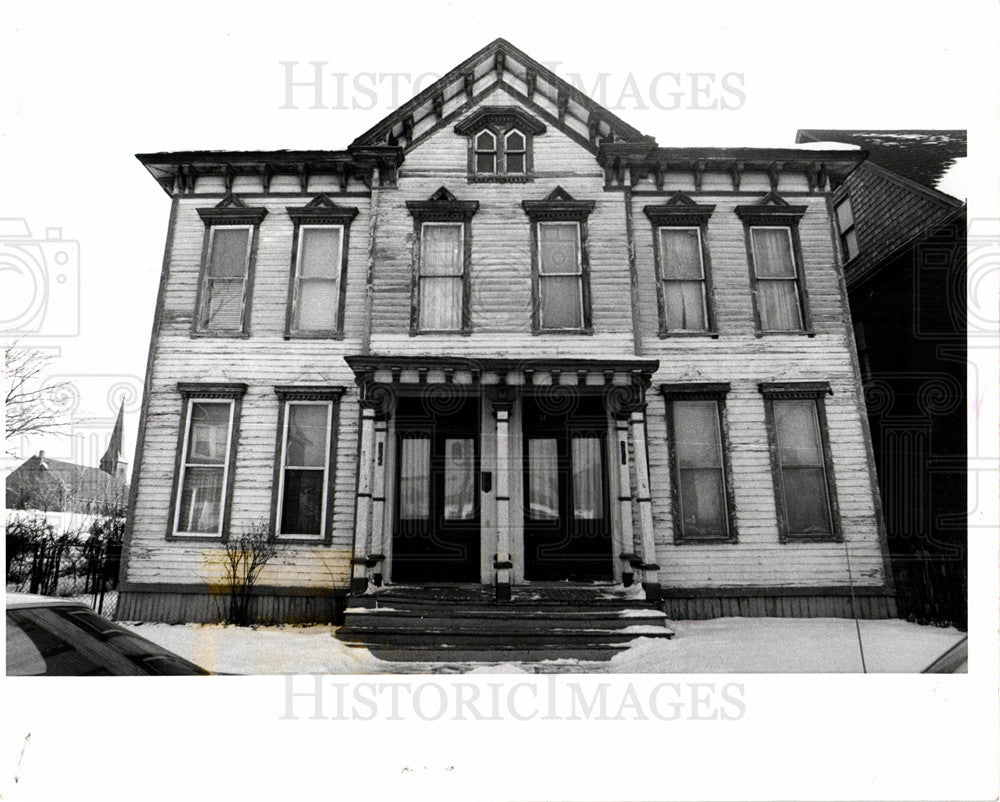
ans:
(486, 152)
(515, 152)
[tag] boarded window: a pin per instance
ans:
(700, 469)
(560, 276)
(204, 466)
(317, 279)
(778, 298)
(306, 462)
(224, 289)
(803, 490)
(845, 224)
(442, 265)
(683, 270)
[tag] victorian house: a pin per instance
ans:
(503, 341)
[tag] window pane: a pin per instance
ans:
(681, 252)
(229, 252)
(845, 215)
(440, 304)
(850, 244)
(485, 141)
(441, 250)
(415, 479)
(208, 433)
(515, 141)
(224, 304)
(316, 305)
(515, 162)
(806, 504)
(306, 445)
(772, 252)
(696, 430)
(561, 307)
(588, 483)
(319, 252)
(201, 500)
(778, 305)
(702, 504)
(559, 247)
(486, 163)
(543, 479)
(459, 485)
(797, 429)
(685, 303)
(302, 502)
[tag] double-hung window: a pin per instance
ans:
(804, 490)
(319, 269)
(224, 291)
(209, 430)
(776, 266)
(683, 280)
(306, 448)
(845, 225)
(441, 265)
(699, 463)
(560, 270)
(500, 143)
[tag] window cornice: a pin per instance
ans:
(559, 205)
(442, 206)
(795, 389)
(500, 116)
(772, 210)
(212, 389)
(308, 393)
(322, 210)
(232, 211)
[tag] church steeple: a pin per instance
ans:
(112, 462)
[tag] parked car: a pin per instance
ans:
(48, 636)
(953, 661)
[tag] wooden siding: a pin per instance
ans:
(501, 327)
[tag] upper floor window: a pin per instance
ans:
(778, 291)
(845, 225)
(800, 459)
(224, 288)
(683, 287)
(560, 270)
(209, 428)
(441, 269)
(500, 143)
(317, 287)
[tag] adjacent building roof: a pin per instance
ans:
(41, 482)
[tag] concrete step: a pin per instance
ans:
(496, 655)
(534, 637)
(498, 621)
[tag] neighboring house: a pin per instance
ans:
(504, 338)
(904, 244)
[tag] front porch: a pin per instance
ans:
(503, 473)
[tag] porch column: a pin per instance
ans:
(377, 553)
(363, 514)
(630, 560)
(649, 568)
(502, 562)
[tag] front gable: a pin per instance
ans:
(500, 65)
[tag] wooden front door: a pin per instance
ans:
(567, 531)
(437, 522)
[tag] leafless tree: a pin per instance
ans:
(245, 557)
(33, 405)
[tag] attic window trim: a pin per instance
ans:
(499, 124)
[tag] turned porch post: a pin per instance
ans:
(630, 560)
(649, 568)
(379, 458)
(363, 515)
(502, 562)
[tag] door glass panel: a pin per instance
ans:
(459, 498)
(588, 498)
(543, 479)
(415, 479)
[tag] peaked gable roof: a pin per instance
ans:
(80, 483)
(500, 65)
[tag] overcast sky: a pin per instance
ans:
(85, 88)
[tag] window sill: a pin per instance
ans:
(221, 335)
(811, 539)
(499, 178)
(803, 333)
(667, 335)
(314, 335)
(705, 541)
(196, 538)
(440, 332)
(301, 540)
(584, 332)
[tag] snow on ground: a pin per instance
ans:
(721, 645)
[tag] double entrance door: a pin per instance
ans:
(437, 527)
